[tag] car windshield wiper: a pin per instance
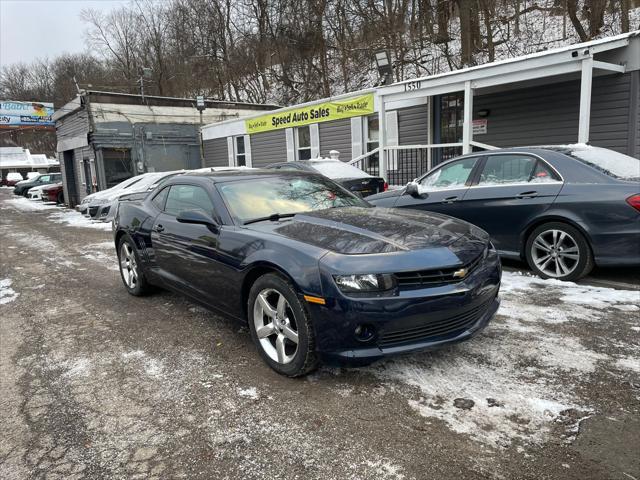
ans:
(273, 218)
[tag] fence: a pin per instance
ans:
(407, 162)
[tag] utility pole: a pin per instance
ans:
(145, 73)
(200, 105)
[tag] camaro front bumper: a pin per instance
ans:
(414, 321)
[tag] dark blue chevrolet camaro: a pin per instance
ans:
(317, 272)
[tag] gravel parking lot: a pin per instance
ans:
(99, 384)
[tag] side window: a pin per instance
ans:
(506, 169)
(452, 175)
(44, 178)
(543, 174)
(161, 198)
(187, 197)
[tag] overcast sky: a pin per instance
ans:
(30, 29)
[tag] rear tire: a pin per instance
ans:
(130, 268)
(558, 250)
(281, 327)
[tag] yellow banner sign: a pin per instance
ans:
(320, 112)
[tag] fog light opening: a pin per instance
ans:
(364, 333)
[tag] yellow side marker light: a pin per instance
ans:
(318, 300)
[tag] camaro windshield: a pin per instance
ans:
(263, 197)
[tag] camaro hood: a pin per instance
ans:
(358, 230)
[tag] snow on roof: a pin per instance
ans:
(18, 157)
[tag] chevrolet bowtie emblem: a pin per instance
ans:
(460, 273)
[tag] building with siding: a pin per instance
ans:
(104, 138)
(585, 93)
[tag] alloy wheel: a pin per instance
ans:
(128, 265)
(555, 253)
(275, 326)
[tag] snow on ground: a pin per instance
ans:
(518, 379)
(250, 393)
(21, 203)
(7, 294)
(76, 219)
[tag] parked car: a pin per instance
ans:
(93, 198)
(318, 274)
(12, 178)
(106, 206)
(560, 208)
(32, 175)
(35, 193)
(23, 187)
(53, 193)
(350, 177)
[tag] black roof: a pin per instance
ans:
(250, 174)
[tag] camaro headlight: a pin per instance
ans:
(370, 282)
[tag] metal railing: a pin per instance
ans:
(368, 162)
(407, 162)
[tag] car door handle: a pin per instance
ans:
(527, 194)
(450, 199)
(158, 228)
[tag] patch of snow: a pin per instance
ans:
(27, 205)
(619, 164)
(133, 354)
(385, 469)
(76, 368)
(101, 246)
(518, 379)
(76, 219)
(629, 363)
(7, 294)
(153, 367)
(250, 393)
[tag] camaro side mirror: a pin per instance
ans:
(413, 190)
(196, 217)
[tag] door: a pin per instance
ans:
(187, 255)
(71, 193)
(445, 188)
(510, 191)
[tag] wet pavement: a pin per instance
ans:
(99, 384)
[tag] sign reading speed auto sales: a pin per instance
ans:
(14, 114)
(320, 112)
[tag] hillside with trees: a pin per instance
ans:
(287, 51)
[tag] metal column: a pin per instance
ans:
(467, 125)
(585, 100)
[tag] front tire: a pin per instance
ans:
(558, 250)
(281, 327)
(130, 270)
(60, 199)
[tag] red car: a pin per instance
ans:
(53, 193)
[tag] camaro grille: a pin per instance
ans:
(436, 328)
(437, 277)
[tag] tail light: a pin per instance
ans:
(385, 187)
(634, 201)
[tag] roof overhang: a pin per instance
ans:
(551, 63)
